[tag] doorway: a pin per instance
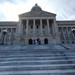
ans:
(30, 41)
(45, 41)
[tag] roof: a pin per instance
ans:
(66, 22)
(8, 23)
(36, 11)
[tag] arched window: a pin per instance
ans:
(45, 41)
(30, 41)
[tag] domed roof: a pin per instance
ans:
(36, 8)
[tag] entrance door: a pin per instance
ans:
(30, 41)
(45, 41)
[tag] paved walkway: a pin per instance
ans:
(17, 47)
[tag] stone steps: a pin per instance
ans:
(34, 63)
(35, 59)
(38, 67)
(37, 62)
(42, 72)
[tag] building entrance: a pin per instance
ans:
(34, 41)
(45, 41)
(30, 41)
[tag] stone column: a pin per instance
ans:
(41, 29)
(20, 27)
(48, 26)
(67, 33)
(63, 33)
(26, 27)
(34, 27)
(6, 37)
(72, 34)
(11, 36)
(54, 27)
(55, 32)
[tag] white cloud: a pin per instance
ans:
(10, 9)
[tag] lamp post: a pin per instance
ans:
(3, 33)
(73, 31)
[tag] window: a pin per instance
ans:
(24, 22)
(59, 28)
(69, 28)
(14, 30)
(24, 26)
(9, 30)
(4, 28)
(64, 28)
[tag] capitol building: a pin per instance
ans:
(37, 25)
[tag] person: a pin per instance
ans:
(36, 42)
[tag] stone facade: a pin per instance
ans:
(37, 25)
(65, 31)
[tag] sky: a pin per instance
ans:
(10, 9)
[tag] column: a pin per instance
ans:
(41, 29)
(67, 33)
(63, 33)
(54, 27)
(72, 35)
(48, 26)
(26, 27)
(62, 36)
(11, 41)
(34, 27)
(20, 27)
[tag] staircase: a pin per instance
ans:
(37, 62)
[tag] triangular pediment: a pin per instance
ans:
(36, 11)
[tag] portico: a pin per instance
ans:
(38, 24)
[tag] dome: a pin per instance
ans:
(36, 8)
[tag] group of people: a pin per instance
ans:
(36, 42)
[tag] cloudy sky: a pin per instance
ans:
(10, 9)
